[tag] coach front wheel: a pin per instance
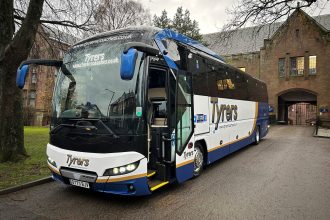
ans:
(198, 160)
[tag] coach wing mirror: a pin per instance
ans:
(21, 76)
(23, 69)
(128, 60)
(129, 56)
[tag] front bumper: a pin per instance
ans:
(134, 183)
(132, 187)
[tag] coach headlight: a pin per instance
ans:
(122, 169)
(51, 161)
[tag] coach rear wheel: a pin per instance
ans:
(198, 160)
(257, 136)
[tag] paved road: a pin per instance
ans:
(286, 176)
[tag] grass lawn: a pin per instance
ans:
(34, 167)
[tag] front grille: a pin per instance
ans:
(82, 175)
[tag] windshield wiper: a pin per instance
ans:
(108, 129)
(58, 127)
(95, 120)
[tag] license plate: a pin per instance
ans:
(79, 183)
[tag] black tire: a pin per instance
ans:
(257, 136)
(199, 159)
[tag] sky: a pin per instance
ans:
(210, 14)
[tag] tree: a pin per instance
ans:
(114, 14)
(19, 22)
(13, 50)
(262, 12)
(162, 21)
(181, 22)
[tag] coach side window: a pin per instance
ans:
(240, 90)
(229, 83)
(197, 66)
(253, 90)
(216, 79)
(263, 92)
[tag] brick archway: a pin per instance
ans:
(297, 106)
(297, 90)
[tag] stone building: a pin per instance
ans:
(291, 57)
(38, 89)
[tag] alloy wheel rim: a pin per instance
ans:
(198, 160)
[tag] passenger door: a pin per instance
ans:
(184, 127)
(176, 56)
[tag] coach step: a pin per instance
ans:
(156, 184)
(151, 173)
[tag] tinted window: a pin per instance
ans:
(257, 90)
(157, 78)
(226, 82)
(215, 79)
(199, 69)
(238, 89)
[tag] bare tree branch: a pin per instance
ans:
(260, 14)
(114, 14)
(62, 23)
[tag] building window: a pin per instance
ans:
(281, 67)
(34, 77)
(32, 102)
(297, 66)
(242, 68)
(312, 65)
(32, 98)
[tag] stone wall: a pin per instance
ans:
(299, 36)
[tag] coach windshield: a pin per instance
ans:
(94, 89)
